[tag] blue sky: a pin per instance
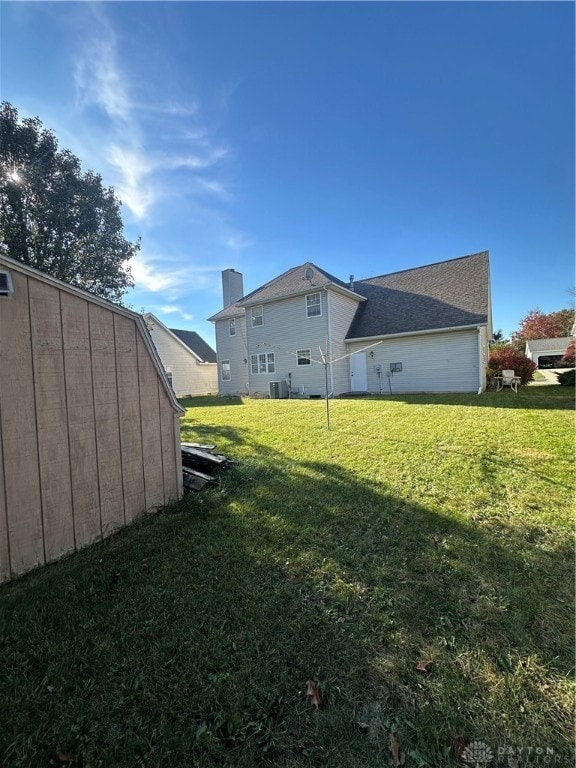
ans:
(365, 137)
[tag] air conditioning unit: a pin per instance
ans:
(6, 287)
(278, 389)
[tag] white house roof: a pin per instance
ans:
(559, 345)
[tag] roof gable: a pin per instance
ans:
(306, 278)
(196, 344)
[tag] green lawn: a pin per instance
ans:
(420, 530)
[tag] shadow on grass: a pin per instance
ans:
(210, 401)
(189, 639)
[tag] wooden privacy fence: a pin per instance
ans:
(89, 427)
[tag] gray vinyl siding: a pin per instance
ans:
(232, 348)
(189, 375)
(342, 311)
(285, 330)
(439, 362)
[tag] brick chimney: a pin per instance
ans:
(232, 286)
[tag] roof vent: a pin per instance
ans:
(309, 274)
(6, 287)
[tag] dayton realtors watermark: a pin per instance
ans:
(482, 755)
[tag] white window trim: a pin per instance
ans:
(232, 326)
(229, 377)
(307, 354)
(256, 361)
(319, 305)
(260, 316)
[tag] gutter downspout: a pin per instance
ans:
(480, 362)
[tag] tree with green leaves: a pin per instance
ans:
(56, 218)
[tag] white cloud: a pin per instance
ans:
(173, 310)
(146, 275)
(238, 242)
(133, 168)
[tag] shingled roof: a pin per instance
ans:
(197, 344)
(447, 294)
(303, 279)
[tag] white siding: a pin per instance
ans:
(234, 349)
(286, 329)
(439, 362)
(189, 375)
(342, 311)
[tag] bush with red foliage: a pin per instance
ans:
(506, 358)
(568, 358)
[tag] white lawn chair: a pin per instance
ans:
(508, 379)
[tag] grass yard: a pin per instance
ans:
(416, 561)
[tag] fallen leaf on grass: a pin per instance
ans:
(64, 757)
(459, 743)
(217, 555)
(313, 691)
(398, 756)
(423, 666)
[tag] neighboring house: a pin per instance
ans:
(189, 362)
(547, 353)
(419, 330)
(89, 426)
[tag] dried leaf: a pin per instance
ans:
(64, 757)
(313, 691)
(423, 666)
(398, 756)
(459, 743)
(217, 555)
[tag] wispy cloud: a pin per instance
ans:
(132, 147)
(173, 310)
(238, 242)
(158, 275)
(148, 276)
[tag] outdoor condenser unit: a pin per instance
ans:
(278, 389)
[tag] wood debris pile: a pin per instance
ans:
(199, 463)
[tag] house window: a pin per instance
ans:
(168, 372)
(233, 326)
(262, 363)
(257, 316)
(225, 370)
(303, 357)
(313, 305)
(395, 367)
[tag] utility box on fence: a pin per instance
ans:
(278, 389)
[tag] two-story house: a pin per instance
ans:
(419, 330)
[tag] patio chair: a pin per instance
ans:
(510, 380)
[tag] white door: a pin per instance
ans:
(358, 372)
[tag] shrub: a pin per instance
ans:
(568, 358)
(507, 358)
(567, 378)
